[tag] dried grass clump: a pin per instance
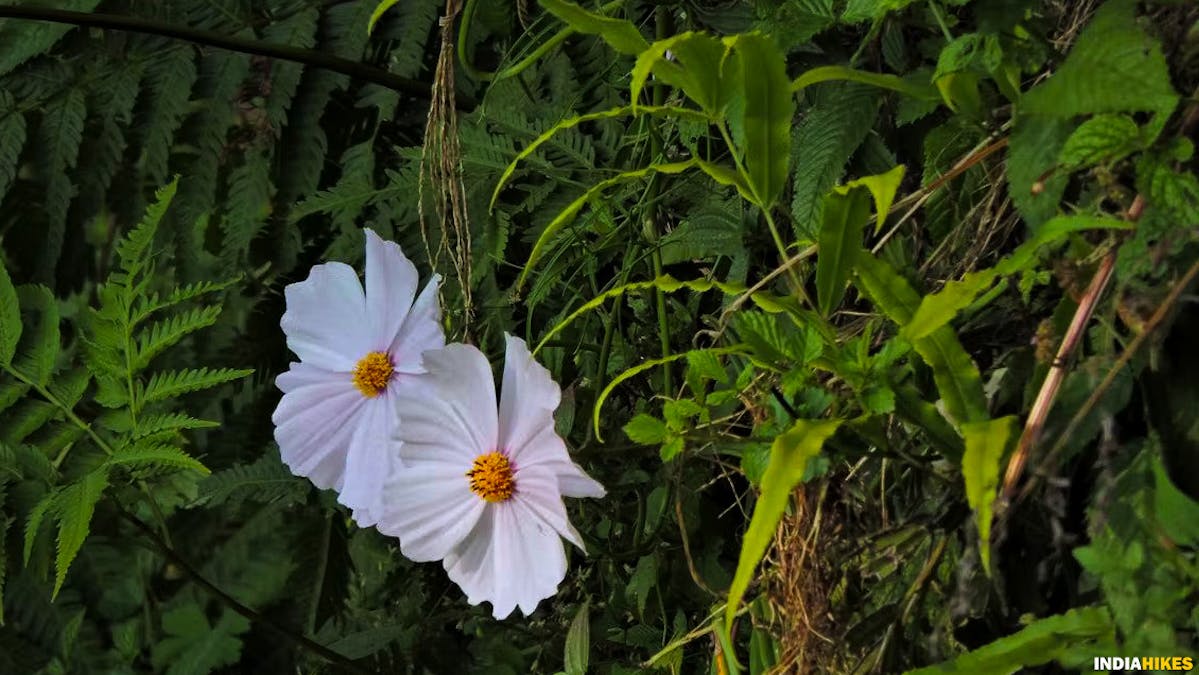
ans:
(798, 585)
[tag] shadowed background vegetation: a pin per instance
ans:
(875, 318)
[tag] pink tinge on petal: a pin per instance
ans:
(420, 332)
(527, 400)
(514, 557)
(430, 508)
(326, 319)
(391, 281)
(315, 422)
(371, 459)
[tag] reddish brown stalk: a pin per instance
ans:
(1057, 370)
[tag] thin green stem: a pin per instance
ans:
(517, 68)
(938, 14)
(661, 28)
(774, 230)
(66, 410)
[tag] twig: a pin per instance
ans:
(1057, 373)
(1133, 347)
(135, 24)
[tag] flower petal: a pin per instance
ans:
(539, 498)
(391, 281)
(430, 508)
(370, 462)
(512, 558)
(420, 332)
(326, 320)
(574, 482)
(315, 422)
(455, 417)
(528, 398)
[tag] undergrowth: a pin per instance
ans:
(807, 271)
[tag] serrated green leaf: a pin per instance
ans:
(1034, 147)
(645, 430)
(41, 339)
(1114, 66)
(1101, 140)
(170, 384)
(789, 456)
(10, 317)
(153, 455)
(642, 581)
(985, 444)
(161, 335)
(73, 508)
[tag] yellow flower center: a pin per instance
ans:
(372, 373)
(491, 477)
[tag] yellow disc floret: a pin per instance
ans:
(491, 477)
(372, 373)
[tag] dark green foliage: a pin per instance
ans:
(157, 196)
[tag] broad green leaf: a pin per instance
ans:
(1101, 140)
(883, 188)
(621, 35)
(712, 72)
(10, 318)
(954, 372)
(880, 80)
(578, 642)
(1087, 629)
(568, 214)
(985, 445)
(843, 220)
(572, 122)
(938, 309)
(1176, 513)
(1034, 146)
(693, 82)
(73, 507)
(190, 645)
(767, 114)
(1114, 66)
(789, 456)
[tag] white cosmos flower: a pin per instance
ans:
(482, 490)
(358, 351)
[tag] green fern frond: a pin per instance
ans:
(264, 481)
(175, 383)
(165, 333)
(155, 455)
(73, 508)
(12, 140)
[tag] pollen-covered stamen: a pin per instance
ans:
(372, 373)
(491, 477)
